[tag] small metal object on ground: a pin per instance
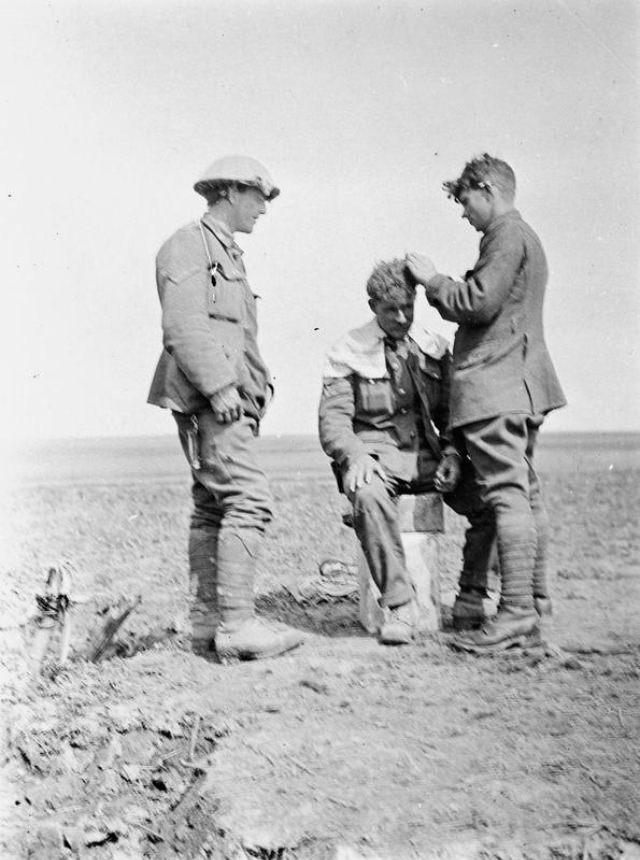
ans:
(54, 608)
(421, 521)
(337, 580)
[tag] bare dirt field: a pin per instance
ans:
(343, 749)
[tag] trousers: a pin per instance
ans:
(232, 505)
(502, 452)
(376, 522)
(229, 489)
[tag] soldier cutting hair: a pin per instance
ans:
(503, 385)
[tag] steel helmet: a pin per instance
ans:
(238, 168)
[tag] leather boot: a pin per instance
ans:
(203, 609)
(511, 628)
(516, 623)
(470, 609)
(401, 624)
(254, 639)
(241, 635)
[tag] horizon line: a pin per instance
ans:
(169, 435)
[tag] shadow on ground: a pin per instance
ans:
(333, 618)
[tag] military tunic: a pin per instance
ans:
(503, 385)
(209, 326)
(389, 400)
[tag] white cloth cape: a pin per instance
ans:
(361, 351)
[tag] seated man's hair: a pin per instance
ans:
(480, 172)
(391, 281)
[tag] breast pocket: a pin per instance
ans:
(226, 299)
(374, 396)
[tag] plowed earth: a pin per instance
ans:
(343, 748)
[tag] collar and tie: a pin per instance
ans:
(400, 347)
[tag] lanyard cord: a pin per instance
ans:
(213, 267)
(206, 245)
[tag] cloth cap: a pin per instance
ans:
(238, 168)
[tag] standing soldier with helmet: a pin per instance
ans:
(213, 378)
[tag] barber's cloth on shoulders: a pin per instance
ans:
(382, 392)
(361, 351)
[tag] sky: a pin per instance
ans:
(111, 109)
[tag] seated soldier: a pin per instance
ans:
(382, 419)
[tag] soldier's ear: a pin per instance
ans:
(233, 193)
(488, 190)
(372, 304)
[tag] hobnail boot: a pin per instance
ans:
(469, 612)
(254, 639)
(511, 628)
(401, 624)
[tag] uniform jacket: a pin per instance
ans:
(208, 322)
(357, 392)
(500, 359)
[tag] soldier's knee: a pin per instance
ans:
(506, 501)
(368, 497)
